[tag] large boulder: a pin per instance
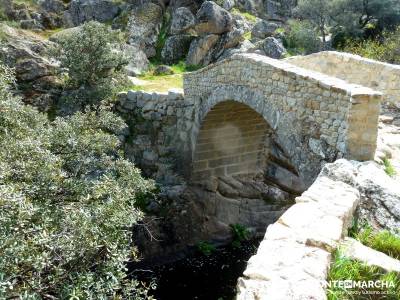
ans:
(263, 29)
(272, 47)
(36, 72)
(208, 49)
(175, 48)
(213, 19)
(182, 20)
(81, 11)
(137, 61)
(144, 26)
(200, 50)
(380, 194)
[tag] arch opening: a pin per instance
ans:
(233, 139)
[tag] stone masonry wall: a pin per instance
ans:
(315, 118)
(153, 138)
(355, 69)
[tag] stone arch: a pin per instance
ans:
(233, 139)
(242, 115)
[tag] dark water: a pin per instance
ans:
(201, 277)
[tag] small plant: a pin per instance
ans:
(389, 169)
(206, 248)
(240, 233)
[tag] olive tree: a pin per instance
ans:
(67, 204)
(317, 12)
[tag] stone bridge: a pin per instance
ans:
(250, 114)
(250, 111)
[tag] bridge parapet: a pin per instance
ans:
(355, 69)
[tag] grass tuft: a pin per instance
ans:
(389, 169)
(343, 268)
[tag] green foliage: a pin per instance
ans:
(317, 12)
(301, 38)
(93, 59)
(162, 36)
(386, 48)
(240, 233)
(383, 241)
(206, 248)
(389, 169)
(67, 204)
(343, 268)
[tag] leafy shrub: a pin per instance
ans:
(302, 38)
(206, 248)
(386, 49)
(67, 204)
(93, 58)
(240, 234)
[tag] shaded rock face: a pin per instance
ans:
(213, 19)
(272, 47)
(263, 29)
(144, 26)
(207, 49)
(192, 5)
(35, 71)
(200, 49)
(81, 11)
(175, 48)
(48, 14)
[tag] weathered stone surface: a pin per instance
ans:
(137, 61)
(53, 6)
(353, 249)
(263, 29)
(192, 5)
(228, 4)
(255, 7)
(380, 205)
(144, 26)
(272, 47)
(200, 50)
(81, 11)
(213, 19)
(182, 21)
(35, 70)
(175, 48)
